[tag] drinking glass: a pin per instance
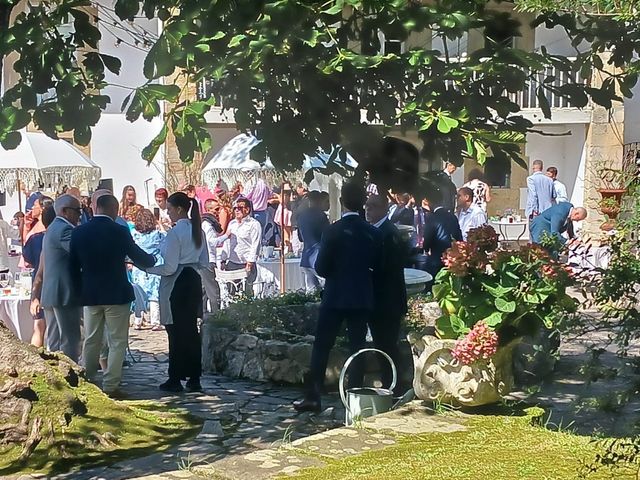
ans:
(4, 280)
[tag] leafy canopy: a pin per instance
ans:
(301, 74)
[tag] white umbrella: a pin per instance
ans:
(40, 159)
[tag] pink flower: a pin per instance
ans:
(481, 343)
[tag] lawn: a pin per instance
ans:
(492, 447)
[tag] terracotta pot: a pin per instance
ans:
(439, 376)
(616, 193)
(611, 212)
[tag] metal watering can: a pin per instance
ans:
(366, 401)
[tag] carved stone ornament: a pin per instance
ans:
(440, 376)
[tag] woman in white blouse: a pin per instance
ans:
(184, 253)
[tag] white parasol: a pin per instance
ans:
(43, 160)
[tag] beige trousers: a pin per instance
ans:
(112, 320)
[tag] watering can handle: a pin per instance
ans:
(343, 372)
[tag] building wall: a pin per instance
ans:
(116, 147)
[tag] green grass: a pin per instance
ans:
(492, 447)
(128, 430)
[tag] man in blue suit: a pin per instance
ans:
(349, 257)
(312, 222)
(98, 252)
(440, 229)
(556, 220)
(540, 192)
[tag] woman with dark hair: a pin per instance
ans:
(481, 190)
(183, 255)
(148, 238)
(129, 207)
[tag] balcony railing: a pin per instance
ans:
(527, 99)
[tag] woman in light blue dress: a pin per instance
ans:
(147, 237)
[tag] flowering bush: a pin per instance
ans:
(481, 343)
(512, 293)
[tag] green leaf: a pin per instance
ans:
(235, 41)
(11, 140)
(446, 124)
(494, 319)
(543, 102)
(497, 290)
(149, 152)
(113, 64)
(504, 305)
(444, 328)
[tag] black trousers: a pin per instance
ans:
(385, 330)
(329, 323)
(185, 354)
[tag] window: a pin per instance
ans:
(497, 172)
(375, 42)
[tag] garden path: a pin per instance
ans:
(239, 416)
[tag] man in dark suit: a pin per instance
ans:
(312, 222)
(350, 255)
(440, 229)
(390, 292)
(400, 213)
(556, 220)
(98, 252)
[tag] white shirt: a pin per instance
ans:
(178, 248)
(213, 241)
(560, 191)
(379, 223)
(245, 242)
(472, 217)
(7, 232)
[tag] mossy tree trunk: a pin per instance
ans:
(21, 366)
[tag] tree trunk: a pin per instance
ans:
(27, 376)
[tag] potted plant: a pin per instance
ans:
(490, 299)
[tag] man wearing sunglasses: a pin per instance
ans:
(244, 235)
(59, 298)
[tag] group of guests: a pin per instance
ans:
(88, 272)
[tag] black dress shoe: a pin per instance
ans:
(171, 386)
(308, 405)
(193, 385)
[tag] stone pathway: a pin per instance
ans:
(239, 417)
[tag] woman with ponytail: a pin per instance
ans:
(181, 291)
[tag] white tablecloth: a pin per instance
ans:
(590, 258)
(294, 279)
(14, 313)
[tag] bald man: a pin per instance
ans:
(555, 221)
(94, 200)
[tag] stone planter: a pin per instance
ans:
(439, 376)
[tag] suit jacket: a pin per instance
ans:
(390, 293)
(553, 221)
(448, 190)
(402, 216)
(540, 194)
(58, 288)
(440, 229)
(98, 252)
(312, 222)
(350, 253)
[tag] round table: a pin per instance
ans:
(15, 314)
(510, 230)
(294, 280)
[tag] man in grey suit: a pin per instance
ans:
(60, 299)
(540, 192)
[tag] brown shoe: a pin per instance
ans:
(116, 394)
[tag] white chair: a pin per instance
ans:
(224, 277)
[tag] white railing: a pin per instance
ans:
(527, 99)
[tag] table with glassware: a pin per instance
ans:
(511, 229)
(14, 304)
(294, 279)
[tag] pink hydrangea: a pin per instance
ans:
(481, 343)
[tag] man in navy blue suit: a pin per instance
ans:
(388, 284)
(98, 252)
(556, 220)
(350, 254)
(440, 229)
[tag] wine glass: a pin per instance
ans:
(4, 280)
